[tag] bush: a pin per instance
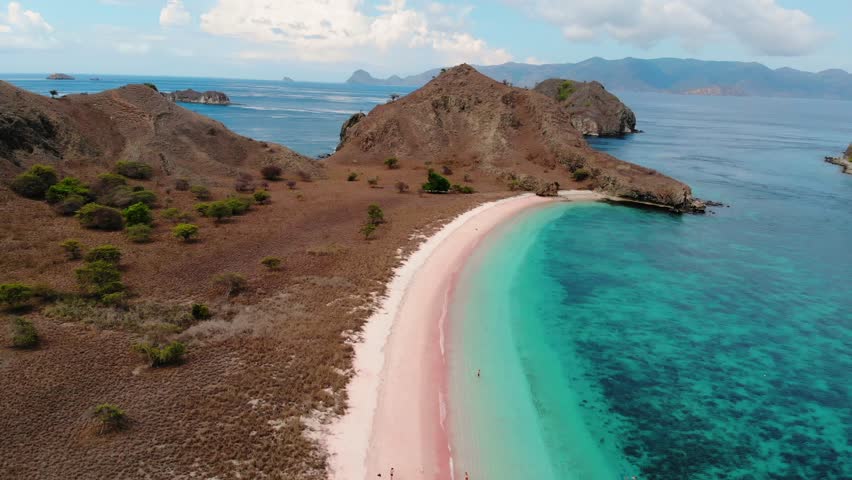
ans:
(402, 187)
(99, 278)
(373, 181)
(233, 283)
(436, 183)
(65, 188)
(201, 311)
(181, 184)
(14, 295)
(244, 183)
(462, 189)
(291, 184)
(176, 216)
(368, 229)
(117, 299)
(35, 182)
(352, 177)
(239, 205)
(392, 163)
(24, 334)
(271, 172)
(108, 181)
(73, 248)
(376, 215)
(151, 86)
(138, 214)
(29, 186)
(110, 416)
(70, 205)
(200, 192)
(185, 231)
(139, 233)
(104, 253)
(566, 89)
(261, 197)
(160, 356)
(143, 196)
(581, 174)
(135, 170)
(100, 217)
(272, 263)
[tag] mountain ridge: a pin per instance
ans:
(665, 75)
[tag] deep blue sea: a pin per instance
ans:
(643, 343)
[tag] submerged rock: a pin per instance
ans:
(209, 97)
(593, 110)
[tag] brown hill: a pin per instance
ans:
(467, 120)
(87, 133)
(593, 110)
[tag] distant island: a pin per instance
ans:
(209, 97)
(844, 160)
(287, 79)
(667, 75)
(59, 76)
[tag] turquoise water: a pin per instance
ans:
(616, 341)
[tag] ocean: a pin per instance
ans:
(617, 342)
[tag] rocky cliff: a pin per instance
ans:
(593, 110)
(464, 119)
(191, 96)
(91, 132)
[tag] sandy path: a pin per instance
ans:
(395, 418)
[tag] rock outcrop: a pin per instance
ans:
(468, 121)
(347, 125)
(844, 161)
(593, 110)
(59, 76)
(89, 133)
(191, 96)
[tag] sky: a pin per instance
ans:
(325, 40)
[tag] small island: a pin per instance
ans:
(59, 76)
(209, 97)
(844, 160)
(287, 80)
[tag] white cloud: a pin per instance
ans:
(763, 26)
(344, 29)
(133, 48)
(26, 29)
(174, 14)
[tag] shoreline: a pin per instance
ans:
(399, 365)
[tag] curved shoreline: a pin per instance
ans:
(399, 365)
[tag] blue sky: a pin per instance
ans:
(327, 39)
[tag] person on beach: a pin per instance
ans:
(466, 476)
(391, 472)
(477, 373)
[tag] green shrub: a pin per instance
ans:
(139, 233)
(368, 229)
(35, 182)
(105, 253)
(73, 248)
(200, 192)
(262, 197)
(352, 177)
(143, 196)
(110, 416)
(436, 183)
(99, 278)
(581, 174)
(462, 189)
(24, 334)
(566, 89)
(271, 172)
(100, 217)
(160, 356)
(239, 205)
(118, 197)
(185, 231)
(135, 170)
(375, 214)
(108, 181)
(117, 299)
(14, 295)
(272, 263)
(151, 86)
(392, 163)
(233, 283)
(70, 205)
(219, 210)
(66, 187)
(138, 214)
(200, 311)
(176, 216)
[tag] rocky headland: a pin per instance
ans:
(593, 110)
(59, 76)
(844, 161)
(191, 96)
